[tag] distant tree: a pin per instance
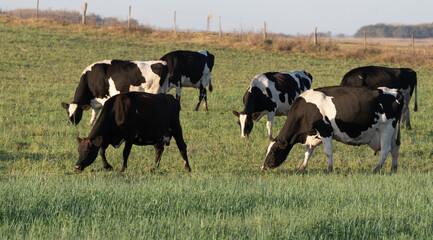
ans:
(396, 31)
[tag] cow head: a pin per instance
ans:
(74, 111)
(276, 154)
(245, 121)
(87, 151)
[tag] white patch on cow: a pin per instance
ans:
(96, 105)
(88, 68)
(204, 52)
(269, 147)
(152, 84)
(72, 108)
(324, 103)
(313, 140)
(120, 143)
(166, 140)
(112, 90)
(243, 121)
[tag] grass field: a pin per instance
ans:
(226, 195)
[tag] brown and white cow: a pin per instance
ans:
(403, 79)
(135, 118)
(104, 79)
(351, 115)
(271, 93)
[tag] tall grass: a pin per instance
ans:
(225, 206)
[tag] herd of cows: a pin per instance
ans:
(366, 108)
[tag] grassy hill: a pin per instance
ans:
(226, 195)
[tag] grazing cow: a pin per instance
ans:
(102, 80)
(403, 79)
(351, 115)
(134, 118)
(271, 93)
(190, 69)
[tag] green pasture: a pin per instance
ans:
(226, 195)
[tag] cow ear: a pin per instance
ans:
(79, 140)
(65, 105)
(255, 115)
(97, 141)
(85, 107)
(236, 113)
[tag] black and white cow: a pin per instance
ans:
(271, 93)
(134, 118)
(403, 79)
(351, 115)
(104, 79)
(190, 69)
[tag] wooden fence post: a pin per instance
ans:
(264, 31)
(174, 23)
(129, 17)
(37, 10)
(219, 25)
(83, 17)
(315, 36)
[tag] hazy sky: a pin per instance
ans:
(281, 16)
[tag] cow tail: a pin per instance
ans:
(211, 88)
(415, 107)
(398, 140)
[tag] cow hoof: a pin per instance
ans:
(188, 169)
(394, 169)
(123, 169)
(108, 167)
(330, 169)
(377, 170)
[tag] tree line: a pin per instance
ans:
(396, 31)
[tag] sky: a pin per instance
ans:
(281, 16)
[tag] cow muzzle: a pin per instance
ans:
(79, 168)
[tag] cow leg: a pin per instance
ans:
(385, 145)
(159, 149)
(308, 153)
(105, 164)
(178, 91)
(177, 134)
(269, 125)
(126, 152)
(395, 147)
(205, 99)
(200, 98)
(327, 145)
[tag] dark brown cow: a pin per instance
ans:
(134, 118)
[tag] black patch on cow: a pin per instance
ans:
(161, 70)
(256, 101)
(356, 108)
(124, 74)
(268, 91)
(285, 83)
(375, 76)
(282, 97)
